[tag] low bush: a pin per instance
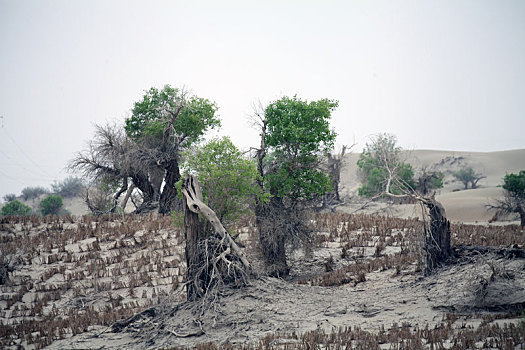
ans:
(15, 208)
(51, 205)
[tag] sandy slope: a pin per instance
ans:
(460, 205)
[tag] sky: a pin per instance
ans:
(445, 74)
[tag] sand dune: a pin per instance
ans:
(460, 205)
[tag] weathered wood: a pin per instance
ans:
(192, 234)
(437, 236)
(194, 202)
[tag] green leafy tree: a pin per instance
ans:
(15, 208)
(51, 205)
(295, 134)
(468, 176)
(380, 161)
(163, 123)
(514, 197)
(298, 134)
(228, 180)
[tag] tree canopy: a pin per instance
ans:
(171, 116)
(468, 176)
(298, 134)
(515, 184)
(514, 199)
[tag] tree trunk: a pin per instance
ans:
(142, 183)
(126, 198)
(210, 261)
(168, 199)
(272, 237)
(522, 218)
(192, 233)
(437, 241)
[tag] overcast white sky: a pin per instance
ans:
(438, 74)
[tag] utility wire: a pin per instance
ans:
(23, 152)
(32, 171)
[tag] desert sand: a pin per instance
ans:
(468, 206)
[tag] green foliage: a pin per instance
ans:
(298, 133)
(33, 192)
(153, 115)
(15, 208)
(51, 205)
(436, 180)
(468, 175)
(374, 164)
(9, 197)
(227, 178)
(515, 184)
(69, 187)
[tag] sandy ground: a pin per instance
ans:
(271, 305)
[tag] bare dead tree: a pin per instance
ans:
(212, 259)
(335, 163)
(436, 230)
(510, 204)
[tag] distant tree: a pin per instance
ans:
(69, 187)
(163, 123)
(33, 192)
(468, 176)
(9, 197)
(227, 178)
(380, 161)
(429, 181)
(51, 205)
(295, 135)
(514, 197)
(15, 208)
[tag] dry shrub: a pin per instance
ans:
(52, 244)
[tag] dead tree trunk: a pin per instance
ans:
(214, 259)
(437, 236)
(192, 235)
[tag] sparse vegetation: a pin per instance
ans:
(15, 208)
(111, 268)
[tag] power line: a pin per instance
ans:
(22, 151)
(32, 171)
